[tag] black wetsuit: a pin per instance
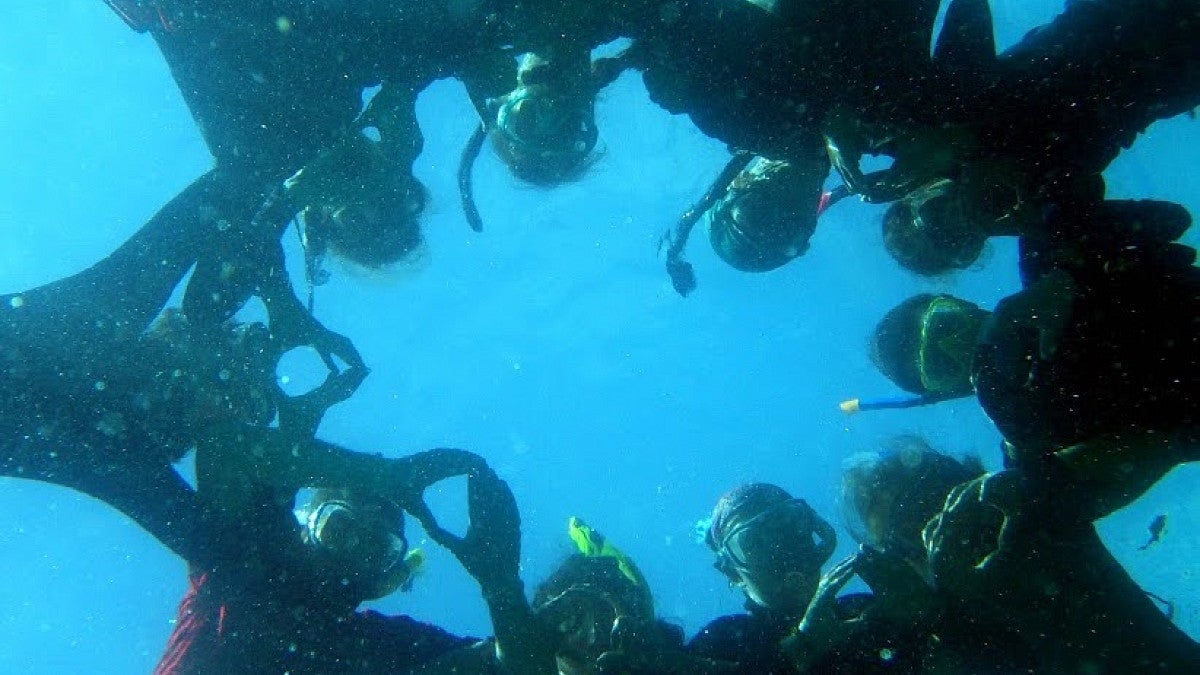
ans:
(272, 83)
(1129, 357)
(750, 640)
(763, 82)
(1051, 594)
(973, 644)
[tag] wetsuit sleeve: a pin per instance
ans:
(487, 75)
(231, 461)
(1132, 61)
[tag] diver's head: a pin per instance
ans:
(771, 545)
(926, 345)
(888, 497)
(224, 373)
(359, 542)
(583, 599)
(766, 217)
(373, 232)
(545, 136)
(931, 231)
(359, 203)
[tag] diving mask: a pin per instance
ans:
(362, 544)
(949, 331)
(767, 540)
(544, 138)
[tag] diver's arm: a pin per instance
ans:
(605, 71)
(479, 658)
(116, 299)
(490, 551)
(488, 75)
(1047, 305)
(233, 462)
(523, 644)
(241, 260)
(1108, 473)
(392, 112)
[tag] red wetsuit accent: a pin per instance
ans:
(824, 202)
(197, 630)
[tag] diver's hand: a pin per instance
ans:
(822, 627)
(491, 549)
(683, 276)
(293, 326)
(301, 415)
(901, 594)
(298, 328)
(407, 478)
(967, 541)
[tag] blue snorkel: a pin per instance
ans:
(854, 405)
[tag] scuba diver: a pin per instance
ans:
(546, 127)
(595, 613)
(902, 625)
(99, 396)
(348, 549)
(1099, 347)
(544, 130)
(1052, 113)
(294, 599)
(760, 212)
(727, 66)
(763, 208)
(771, 546)
(602, 611)
(1020, 549)
(277, 91)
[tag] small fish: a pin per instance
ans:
(1156, 529)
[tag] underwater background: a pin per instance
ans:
(552, 343)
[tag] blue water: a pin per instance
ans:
(552, 343)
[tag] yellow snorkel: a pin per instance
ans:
(592, 544)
